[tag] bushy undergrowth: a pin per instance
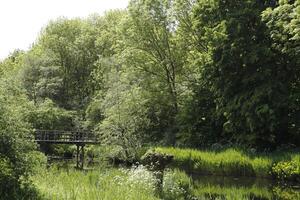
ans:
(287, 170)
(234, 162)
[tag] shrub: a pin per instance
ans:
(287, 171)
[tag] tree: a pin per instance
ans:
(283, 23)
(72, 44)
(17, 152)
(12, 64)
(125, 115)
(40, 77)
(152, 48)
(245, 75)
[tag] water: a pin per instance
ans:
(230, 188)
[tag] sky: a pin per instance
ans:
(22, 20)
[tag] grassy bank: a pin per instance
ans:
(138, 184)
(101, 184)
(234, 162)
(109, 183)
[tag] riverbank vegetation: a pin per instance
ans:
(191, 74)
(235, 162)
(139, 183)
(106, 184)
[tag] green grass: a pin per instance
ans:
(230, 162)
(102, 184)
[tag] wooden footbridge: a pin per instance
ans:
(78, 138)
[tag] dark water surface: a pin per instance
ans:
(231, 188)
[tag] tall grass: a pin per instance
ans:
(230, 162)
(102, 184)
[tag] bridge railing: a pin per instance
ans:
(57, 136)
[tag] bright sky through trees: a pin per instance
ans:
(21, 21)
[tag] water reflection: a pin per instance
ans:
(229, 188)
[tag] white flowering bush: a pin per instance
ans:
(139, 180)
(140, 176)
(175, 185)
(104, 184)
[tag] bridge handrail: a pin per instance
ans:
(65, 136)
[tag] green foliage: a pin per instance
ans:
(94, 112)
(17, 153)
(40, 77)
(48, 116)
(283, 24)
(287, 170)
(125, 119)
(199, 124)
(249, 79)
(190, 73)
(12, 64)
(152, 49)
(72, 46)
(184, 72)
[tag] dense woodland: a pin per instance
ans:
(162, 72)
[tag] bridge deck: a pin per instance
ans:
(65, 137)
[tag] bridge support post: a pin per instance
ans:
(82, 157)
(79, 156)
